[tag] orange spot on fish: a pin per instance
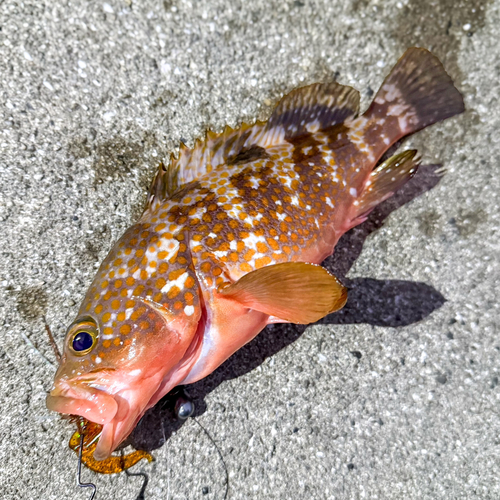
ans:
(124, 330)
(160, 283)
(263, 261)
(262, 247)
(173, 292)
(245, 267)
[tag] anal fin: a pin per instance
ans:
(386, 179)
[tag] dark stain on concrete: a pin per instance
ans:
(32, 302)
(467, 222)
(117, 156)
(428, 222)
(79, 148)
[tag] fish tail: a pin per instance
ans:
(417, 92)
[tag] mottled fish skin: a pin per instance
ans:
(271, 193)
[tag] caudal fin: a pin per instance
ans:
(418, 92)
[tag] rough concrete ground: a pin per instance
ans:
(398, 396)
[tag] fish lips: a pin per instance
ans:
(93, 404)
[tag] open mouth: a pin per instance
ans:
(87, 396)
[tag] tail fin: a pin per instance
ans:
(418, 92)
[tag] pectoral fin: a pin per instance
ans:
(296, 292)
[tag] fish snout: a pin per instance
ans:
(93, 404)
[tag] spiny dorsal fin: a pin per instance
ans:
(297, 292)
(193, 163)
(306, 109)
(313, 108)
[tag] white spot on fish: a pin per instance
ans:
(179, 283)
(252, 240)
(170, 246)
(254, 182)
(189, 310)
(353, 192)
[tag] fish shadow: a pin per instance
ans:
(391, 303)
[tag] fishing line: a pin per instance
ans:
(220, 455)
(164, 442)
(33, 346)
(79, 469)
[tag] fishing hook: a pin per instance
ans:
(145, 482)
(79, 470)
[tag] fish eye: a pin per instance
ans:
(83, 337)
(82, 341)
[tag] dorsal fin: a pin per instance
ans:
(306, 109)
(313, 108)
(202, 158)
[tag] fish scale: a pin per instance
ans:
(231, 240)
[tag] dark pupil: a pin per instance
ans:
(82, 341)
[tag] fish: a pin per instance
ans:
(231, 240)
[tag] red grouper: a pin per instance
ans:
(231, 240)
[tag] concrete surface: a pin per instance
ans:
(399, 395)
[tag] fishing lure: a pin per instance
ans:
(231, 240)
(86, 437)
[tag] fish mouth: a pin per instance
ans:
(89, 402)
(118, 412)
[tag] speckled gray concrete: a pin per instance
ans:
(387, 404)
